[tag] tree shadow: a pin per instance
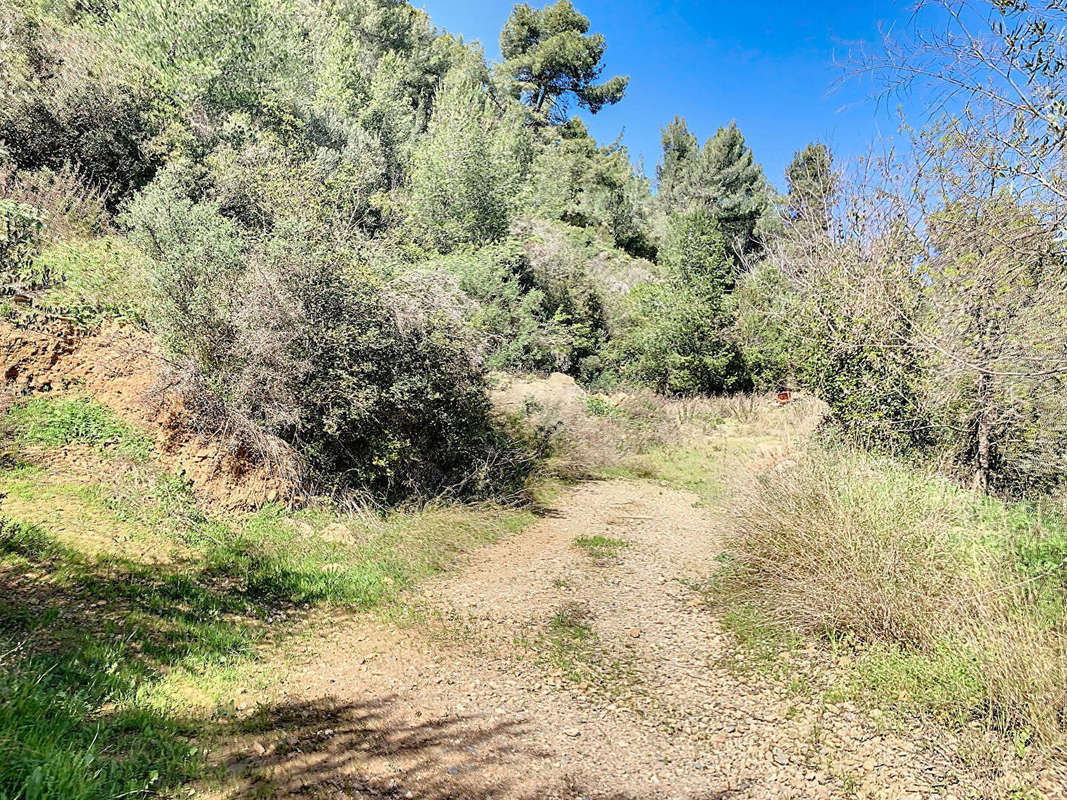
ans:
(326, 749)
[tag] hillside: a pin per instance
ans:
(368, 428)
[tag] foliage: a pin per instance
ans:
(20, 239)
(811, 180)
(549, 53)
(677, 340)
(544, 317)
(722, 178)
(467, 171)
(574, 180)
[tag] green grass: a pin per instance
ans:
(111, 670)
(95, 279)
(60, 421)
(601, 548)
(694, 469)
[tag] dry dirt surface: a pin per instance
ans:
(121, 367)
(547, 671)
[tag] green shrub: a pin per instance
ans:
(20, 241)
(678, 337)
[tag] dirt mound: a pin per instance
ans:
(121, 367)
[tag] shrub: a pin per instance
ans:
(20, 240)
(304, 357)
(544, 317)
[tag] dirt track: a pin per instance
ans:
(544, 672)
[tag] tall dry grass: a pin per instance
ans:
(970, 592)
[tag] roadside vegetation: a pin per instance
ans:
(345, 229)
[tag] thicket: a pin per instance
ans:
(347, 216)
(333, 202)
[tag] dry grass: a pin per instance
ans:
(588, 435)
(968, 595)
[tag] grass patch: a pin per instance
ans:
(694, 469)
(954, 604)
(601, 548)
(60, 421)
(569, 646)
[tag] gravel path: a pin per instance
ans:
(546, 671)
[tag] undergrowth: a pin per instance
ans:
(953, 604)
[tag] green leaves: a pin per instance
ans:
(550, 54)
(20, 239)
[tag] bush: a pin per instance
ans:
(305, 358)
(544, 317)
(20, 240)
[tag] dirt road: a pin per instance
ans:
(559, 665)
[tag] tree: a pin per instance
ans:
(722, 177)
(731, 184)
(810, 176)
(680, 152)
(678, 340)
(549, 53)
(466, 172)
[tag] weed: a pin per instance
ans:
(601, 548)
(60, 421)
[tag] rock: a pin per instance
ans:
(258, 749)
(635, 633)
(780, 758)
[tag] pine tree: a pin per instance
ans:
(680, 152)
(811, 186)
(549, 53)
(731, 185)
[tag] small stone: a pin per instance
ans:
(635, 633)
(258, 749)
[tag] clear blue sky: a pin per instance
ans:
(769, 64)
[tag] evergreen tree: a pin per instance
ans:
(731, 185)
(811, 186)
(722, 177)
(678, 340)
(550, 53)
(680, 151)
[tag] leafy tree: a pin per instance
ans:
(549, 53)
(679, 340)
(466, 173)
(576, 181)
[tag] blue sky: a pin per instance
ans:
(769, 64)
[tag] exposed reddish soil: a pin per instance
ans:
(121, 367)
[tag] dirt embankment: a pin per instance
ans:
(121, 367)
